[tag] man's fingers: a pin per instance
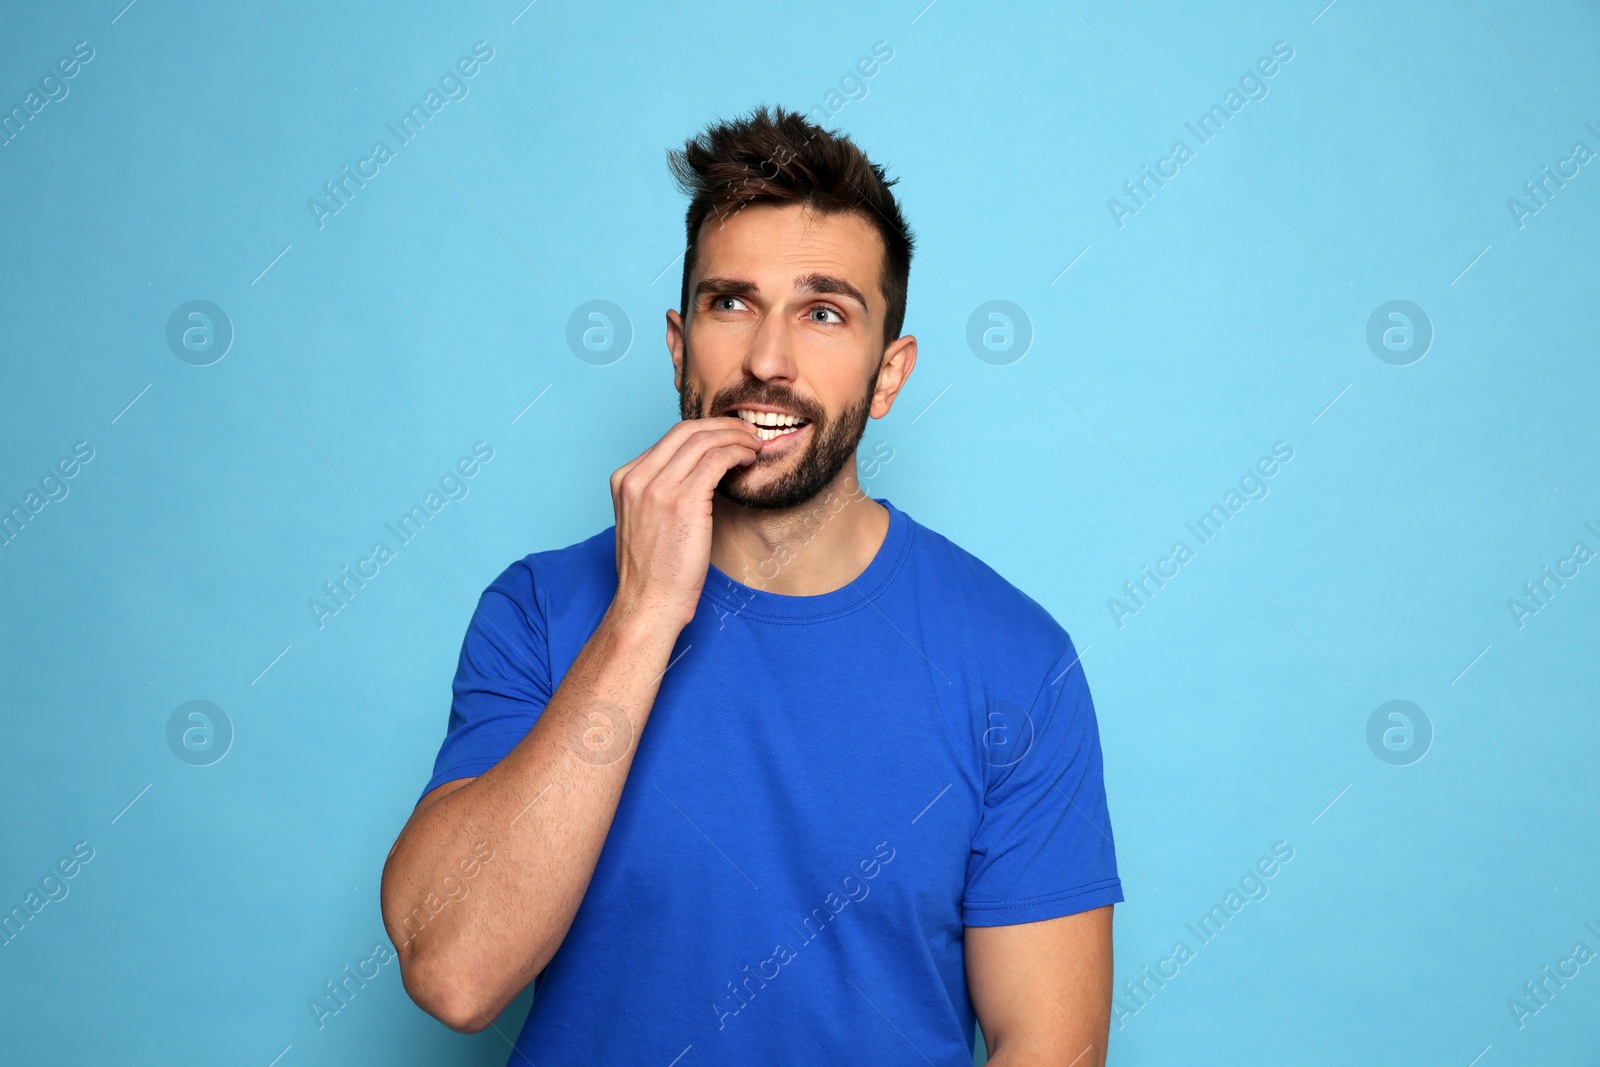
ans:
(658, 455)
(712, 465)
(682, 465)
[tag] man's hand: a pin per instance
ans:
(663, 504)
(467, 963)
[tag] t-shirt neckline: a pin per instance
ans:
(742, 599)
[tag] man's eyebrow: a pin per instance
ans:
(828, 283)
(806, 283)
(728, 286)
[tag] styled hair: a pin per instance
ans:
(782, 157)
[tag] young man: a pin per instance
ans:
(828, 811)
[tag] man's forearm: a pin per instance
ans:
(543, 812)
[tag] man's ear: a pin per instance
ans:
(898, 360)
(675, 346)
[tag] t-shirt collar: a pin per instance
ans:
(740, 599)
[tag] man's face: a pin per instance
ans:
(785, 325)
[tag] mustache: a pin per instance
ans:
(729, 399)
(691, 404)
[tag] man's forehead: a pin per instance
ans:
(789, 248)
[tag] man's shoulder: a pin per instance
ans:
(990, 601)
(561, 573)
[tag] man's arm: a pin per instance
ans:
(544, 812)
(1042, 990)
(545, 809)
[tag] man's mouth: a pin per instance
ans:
(771, 425)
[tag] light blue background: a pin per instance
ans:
(1228, 314)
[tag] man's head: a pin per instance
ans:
(794, 292)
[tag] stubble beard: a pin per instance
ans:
(833, 443)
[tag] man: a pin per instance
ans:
(827, 812)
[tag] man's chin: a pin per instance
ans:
(751, 487)
(771, 498)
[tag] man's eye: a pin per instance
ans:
(717, 303)
(826, 311)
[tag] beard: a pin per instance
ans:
(832, 443)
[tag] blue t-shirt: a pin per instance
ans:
(827, 790)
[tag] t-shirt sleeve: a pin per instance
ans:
(1043, 847)
(502, 680)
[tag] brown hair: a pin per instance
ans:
(784, 158)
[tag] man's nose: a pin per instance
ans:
(771, 355)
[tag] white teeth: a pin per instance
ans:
(768, 418)
(767, 433)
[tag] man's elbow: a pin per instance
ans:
(443, 996)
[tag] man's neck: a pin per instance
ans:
(815, 548)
